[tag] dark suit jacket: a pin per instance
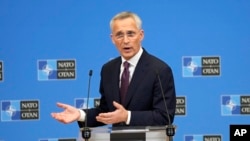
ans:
(144, 97)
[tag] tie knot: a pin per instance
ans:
(126, 64)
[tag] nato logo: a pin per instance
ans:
(194, 66)
(180, 106)
(58, 139)
(202, 138)
(1, 71)
(81, 103)
(16, 110)
(56, 69)
(235, 105)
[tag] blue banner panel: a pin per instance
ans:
(48, 47)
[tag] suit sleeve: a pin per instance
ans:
(92, 113)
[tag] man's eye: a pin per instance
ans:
(119, 35)
(131, 34)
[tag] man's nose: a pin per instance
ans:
(126, 38)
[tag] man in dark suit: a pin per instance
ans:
(131, 94)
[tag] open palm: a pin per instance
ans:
(70, 113)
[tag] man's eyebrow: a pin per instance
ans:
(119, 33)
(127, 32)
(130, 31)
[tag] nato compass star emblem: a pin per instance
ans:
(47, 69)
(192, 66)
(11, 111)
(231, 105)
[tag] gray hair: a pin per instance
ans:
(124, 15)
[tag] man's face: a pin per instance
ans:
(127, 37)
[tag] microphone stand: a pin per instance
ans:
(86, 132)
(170, 130)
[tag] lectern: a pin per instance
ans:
(150, 133)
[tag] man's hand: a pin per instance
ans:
(69, 114)
(119, 115)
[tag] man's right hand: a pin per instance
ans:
(70, 113)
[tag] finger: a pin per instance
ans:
(53, 114)
(117, 105)
(104, 120)
(101, 119)
(61, 105)
(104, 115)
(56, 116)
(60, 118)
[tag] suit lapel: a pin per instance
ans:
(138, 76)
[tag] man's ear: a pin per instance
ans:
(111, 36)
(142, 34)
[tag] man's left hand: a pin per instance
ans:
(119, 115)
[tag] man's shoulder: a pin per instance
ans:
(155, 60)
(112, 62)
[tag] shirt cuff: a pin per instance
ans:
(82, 115)
(129, 117)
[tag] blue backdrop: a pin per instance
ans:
(185, 34)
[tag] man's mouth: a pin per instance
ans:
(127, 48)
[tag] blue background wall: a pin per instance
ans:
(62, 29)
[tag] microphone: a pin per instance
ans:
(86, 132)
(170, 130)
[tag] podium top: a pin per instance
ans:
(128, 129)
(139, 128)
(106, 133)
